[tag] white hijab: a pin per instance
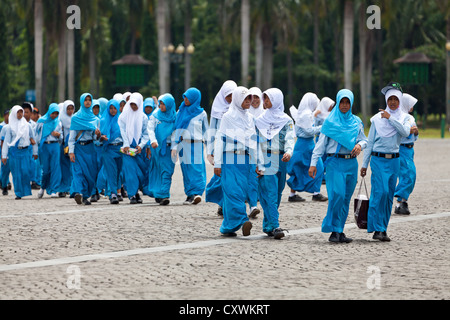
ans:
(20, 127)
(382, 125)
(119, 97)
(274, 119)
(323, 107)
(220, 106)
(408, 102)
(238, 124)
(63, 117)
(303, 116)
(126, 95)
(256, 112)
(133, 120)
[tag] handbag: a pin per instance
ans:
(361, 204)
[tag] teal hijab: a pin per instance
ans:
(85, 118)
(167, 119)
(342, 127)
(49, 123)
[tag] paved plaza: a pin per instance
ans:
(56, 249)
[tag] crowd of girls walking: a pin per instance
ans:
(127, 147)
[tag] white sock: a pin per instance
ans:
(316, 193)
(292, 194)
(252, 208)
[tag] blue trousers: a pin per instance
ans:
(49, 155)
(342, 177)
(84, 170)
(20, 165)
(298, 167)
(407, 175)
(383, 181)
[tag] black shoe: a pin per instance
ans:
(296, 198)
(138, 198)
(9, 186)
(5, 191)
(402, 209)
(319, 197)
(382, 236)
(334, 237)
(86, 202)
(119, 197)
(164, 202)
(18, 198)
(229, 234)
(344, 239)
(133, 200)
(123, 192)
(61, 194)
(35, 186)
(188, 200)
(114, 199)
(254, 213)
(158, 200)
(78, 198)
(220, 211)
(94, 198)
(278, 233)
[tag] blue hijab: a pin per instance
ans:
(49, 123)
(149, 102)
(186, 113)
(108, 124)
(342, 127)
(167, 119)
(103, 106)
(84, 119)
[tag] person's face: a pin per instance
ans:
(148, 109)
(229, 98)
(19, 114)
(122, 104)
(70, 110)
(267, 102)
(186, 101)
(6, 118)
(112, 111)
(256, 101)
(27, 114)
(96, 110)
(393, 103)
(88, 102)
(247, 102)
(54, 115)
(134, 106)
(344, 105)
(162, 106)
(34, 116)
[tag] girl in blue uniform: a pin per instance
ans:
(48, 133)
(342, 139)
(276, 134)
(407, 175)
(65, 117)
(298, 167)
(133, 127)
(161, 126)
(191, 126)
(385, 136)
(19, 137)
(235, 155)
(110, 151)
(83, 132)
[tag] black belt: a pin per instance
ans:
(85, 143)
(23, 148)
(274, 152)
(116, 144)
(386, 155)
(409, 145)
(50, 142)
(340, 156)
(238, 152)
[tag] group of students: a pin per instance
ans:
(127, 145)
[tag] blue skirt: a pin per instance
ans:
(407, 175)
(192, 165)
(84, 170)
(342, 177)
(298, 167)
(113, 162)
(66, 171)
(160, 174)
(384, 178)
(134, 174)
(20, 165)
(49, 155)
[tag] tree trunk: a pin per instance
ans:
(267, 67)
(62, 62)
(163, 41)
(71, 64)
(187, 42)
(92, 64)
(245, 40)
(259, 56)
(349, 17)
(448, 75)
(316, 44)
(362, 61)
(38, 49)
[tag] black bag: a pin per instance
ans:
(361, 204)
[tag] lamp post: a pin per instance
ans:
(175, 56)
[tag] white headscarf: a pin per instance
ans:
(220, 106)
(20, 127)
(126, 95)
(303, 116)
(256, 112)
(133, 120)
(274, 119)
(323, 107)
(63, 117)
(382, 125)
(238, 123)
(119, 97)
(408, 102)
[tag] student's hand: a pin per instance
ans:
(363, 172)
(210, 158)
(155, 145)
(218, 172)
(72, 157)
(414, 130)
(35, 156)
(138, 150)
(286, 157)
(384, 114)
(32, 141)
(260, 173)
(55, 134)
(356, 150)
(97, 132)
(126, 149)
(312, 172)
(174, 155)
(4, 161)
(103, 138)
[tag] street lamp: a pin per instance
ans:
(175, 56)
